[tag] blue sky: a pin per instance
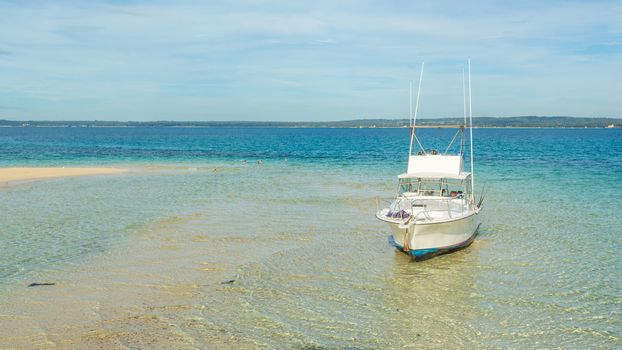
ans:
(316, 60)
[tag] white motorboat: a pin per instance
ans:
(435, 211)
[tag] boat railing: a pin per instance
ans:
(416, 209)
(395, 208)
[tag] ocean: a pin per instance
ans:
(274, 229)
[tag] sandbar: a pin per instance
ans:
(38, 173)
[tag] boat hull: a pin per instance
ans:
(431, 239)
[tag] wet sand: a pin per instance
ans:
(38, 173)
(153, 293)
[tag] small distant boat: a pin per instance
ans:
(435, 211)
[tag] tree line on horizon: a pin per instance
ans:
(522, 121)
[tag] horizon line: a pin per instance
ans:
(291, 121)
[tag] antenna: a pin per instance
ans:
(471, 135)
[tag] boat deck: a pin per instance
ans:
(425, 209)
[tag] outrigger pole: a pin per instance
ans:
(414, 118)
(418, 93)
(464, 98)
(463, 140)
(471, 138)
(410, 105)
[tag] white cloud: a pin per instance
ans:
(331, 60)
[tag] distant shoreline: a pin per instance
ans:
(480, 122)
(295, 127)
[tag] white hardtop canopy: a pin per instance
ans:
(435, 166)
(460, 176)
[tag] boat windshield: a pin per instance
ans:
(430, 187)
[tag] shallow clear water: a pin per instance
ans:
(543, 273)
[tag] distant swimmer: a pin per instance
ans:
(260, 162)
(244, 162)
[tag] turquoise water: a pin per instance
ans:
(544, 272)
